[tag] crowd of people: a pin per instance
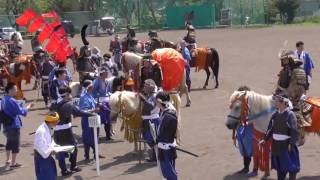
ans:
(158, 114)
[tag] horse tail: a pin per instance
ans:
(215, 61)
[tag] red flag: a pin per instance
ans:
(60, 32)
(26, 17)
(36, 24)
(45, 33)
(64, 43)
(55, 24)
(53, 44)
(61, 54)
(51, 14)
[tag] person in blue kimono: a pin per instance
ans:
(307, 61)
(11, 108)
(60, 66)
(244, 136)
(45, 69)
(284, 133)
(187, 58)
(45, 166)
(63, 134)
(150, 114)
(101, 91)
(166, 136)
(60, 81)
(87, 103)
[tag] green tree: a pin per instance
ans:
(287, 9)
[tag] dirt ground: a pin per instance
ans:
(247, 57)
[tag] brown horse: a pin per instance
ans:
(139, 46)
(205, 58)
(23, 68)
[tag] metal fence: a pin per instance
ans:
(203, 16)
(251, 10)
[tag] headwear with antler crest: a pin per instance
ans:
(84, 50)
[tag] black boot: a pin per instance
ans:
(292, 176)
(246, 163)
(152, 156)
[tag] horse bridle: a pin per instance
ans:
(244, 109)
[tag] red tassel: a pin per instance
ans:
(26, 17)
(36, 24)
(45, 33)
(61, 33)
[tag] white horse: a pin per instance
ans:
(261, 108)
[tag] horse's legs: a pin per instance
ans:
(215, 75)
(207, 79)
(19, 90)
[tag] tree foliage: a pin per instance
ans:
(287, 9)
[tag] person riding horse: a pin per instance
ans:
(131, 39)
(85, 65)
(190, 38)
(150, 70)
(16, 47)
(154, 41)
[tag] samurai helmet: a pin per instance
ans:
(84, 50)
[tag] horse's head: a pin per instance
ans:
(237, 107)
(125, 102)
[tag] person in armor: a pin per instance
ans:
(155, 42)
(45, 69)
(284, 133)
(108, 64)
(35, 44)
(150, 114)
(190, 38)
(166, 136)
(292, 78)
(116, 48)
(17, 41)
(96, 56)
(150, 70)
(131, 38)
(85, 64)
(63, 134)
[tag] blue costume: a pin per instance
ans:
(187, 57)
(14, 110)
(52, 74)
(150, 114)
(54, 88)
(63, 134)
(166, 144)
(307, 65)
(87, 102)
(101, 91)
(283, 130)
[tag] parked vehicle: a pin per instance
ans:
(6, 33)
(104, 25)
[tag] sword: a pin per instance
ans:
(187, 152)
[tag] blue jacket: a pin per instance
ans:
(87, 102)
(100, 89)
(186, 54)
(14, 109)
